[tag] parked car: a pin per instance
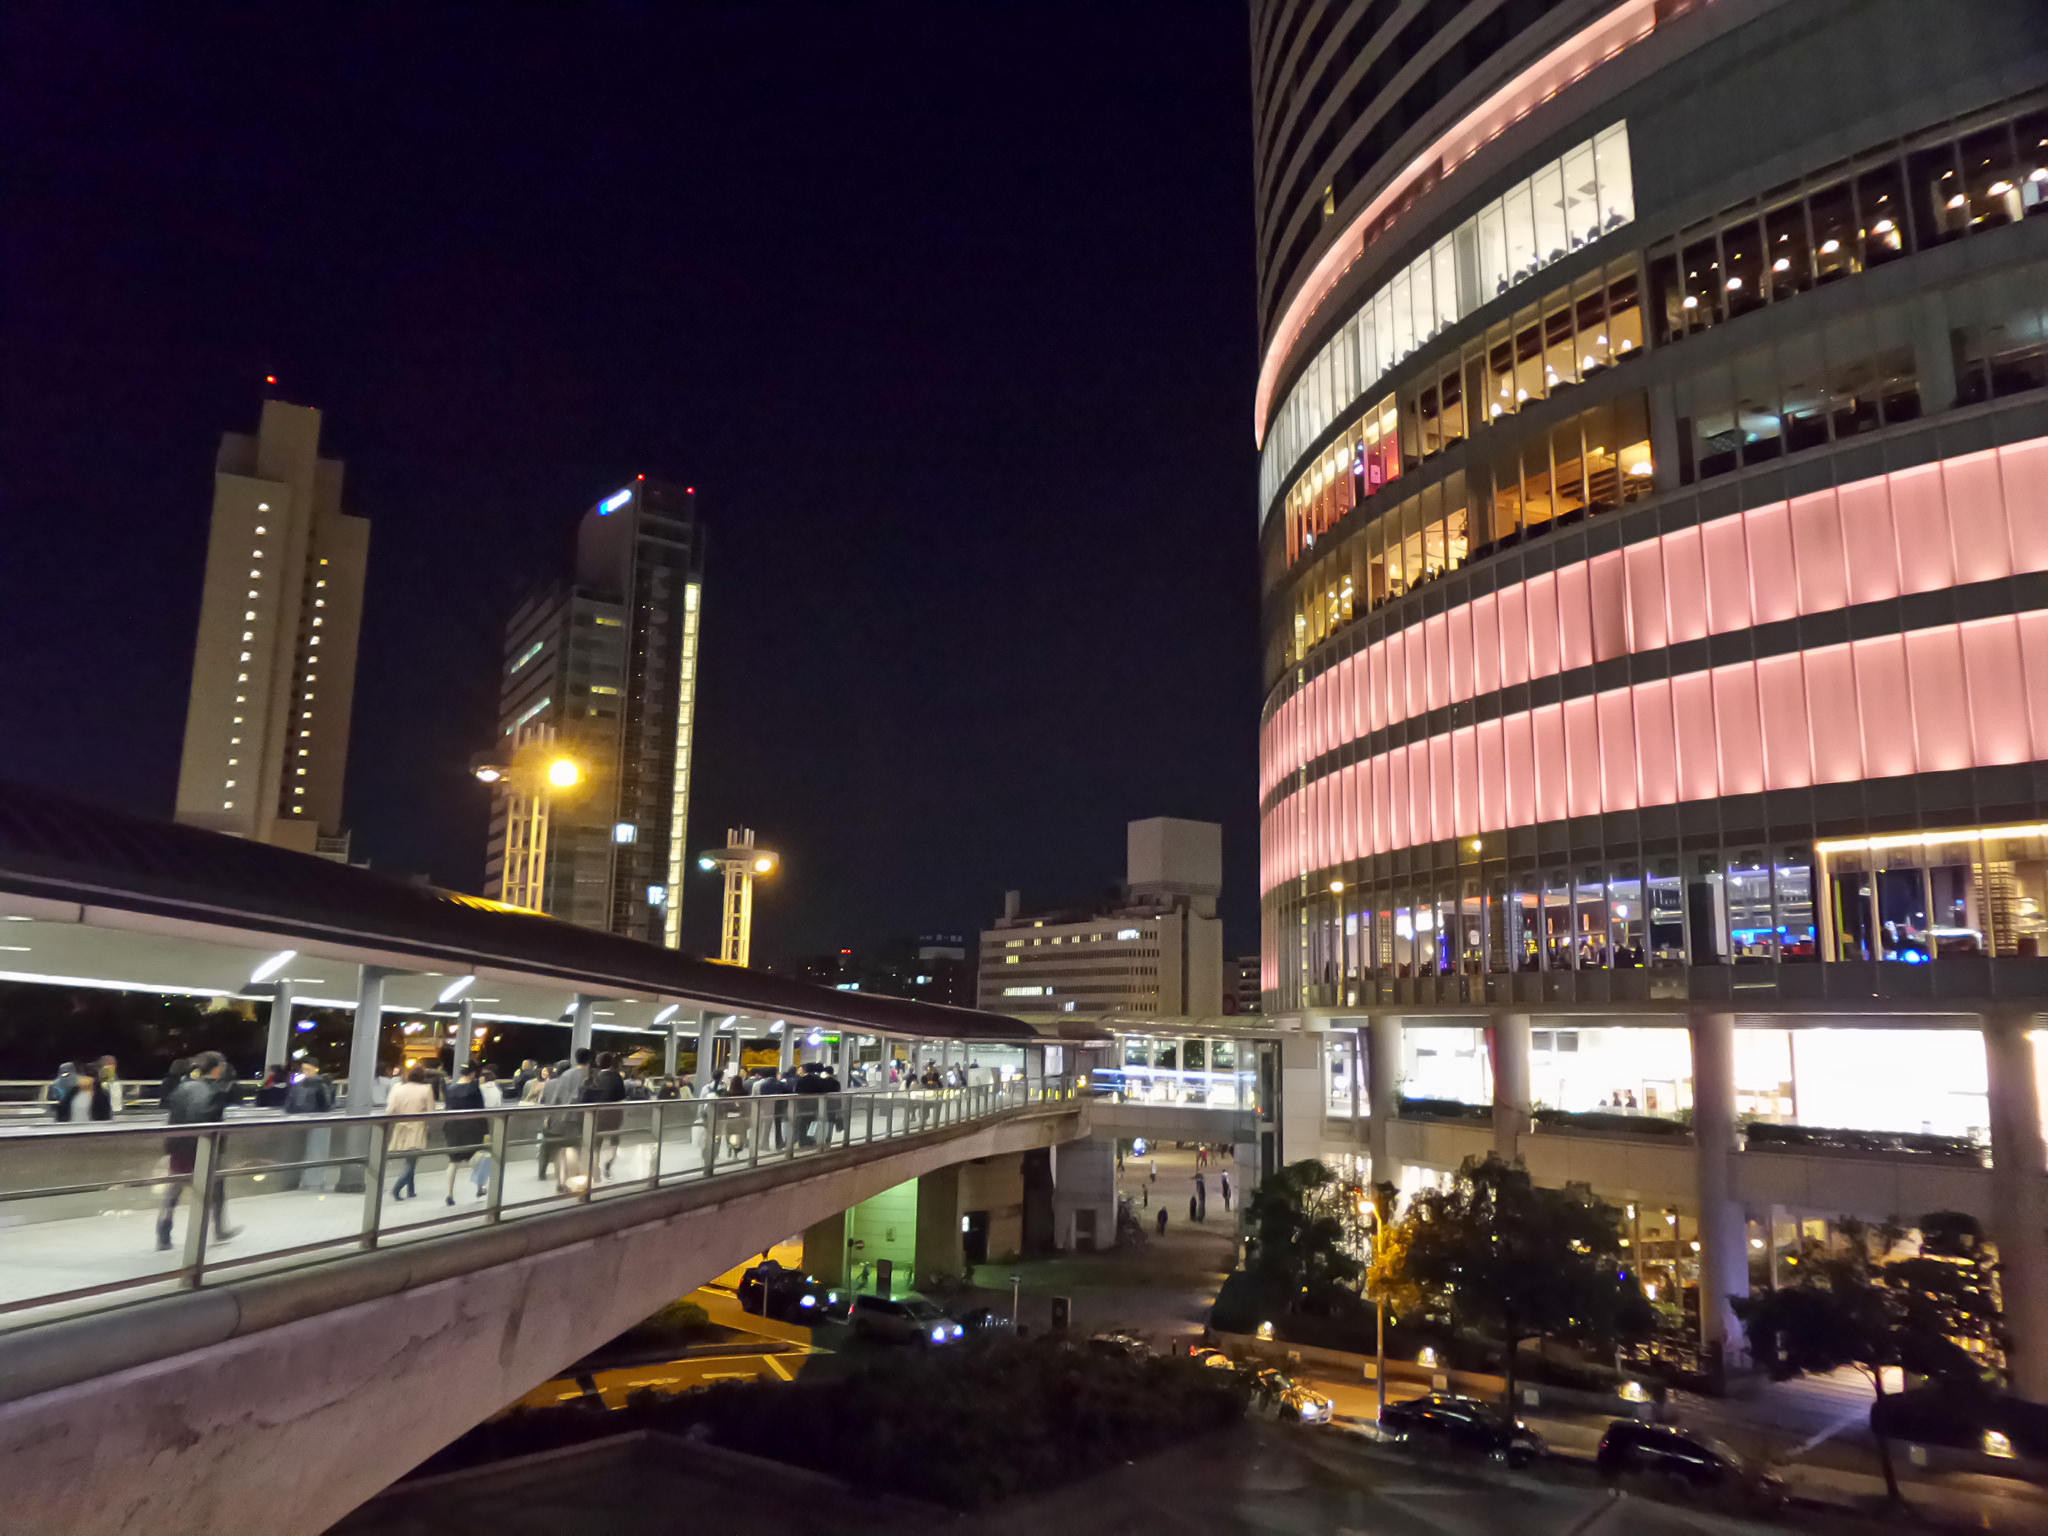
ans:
(1215, 1359)
(1696, 1462)
(787, 1295)
(1289, 1401)
(1124, 1344)
(909, 1320)
(1451, 1422)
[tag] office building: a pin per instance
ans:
(602, 670)
(930, 968)
(1653, 410)
(273, 672)
(1244, 985)
(1155, 950)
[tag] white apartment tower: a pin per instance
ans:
(273, 672)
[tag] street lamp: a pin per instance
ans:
(1369, 1207)
(536, 771)
(742, 862)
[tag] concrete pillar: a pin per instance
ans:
(1382, 1080)
(1723, 1231)
(707, 1034)
(670, 1041)
(939, 1253)
(825, 1250)
(1934, 355)
(2019, 1209)
(1084, 1180)
(362, 1048)
(785, 1056)
(579, 1024)
(1510, 1082)
(277, 1043)
(465, 1035)
(1357, 1085)
(1666, 432)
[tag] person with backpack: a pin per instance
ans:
(198, 1100)
(605, 1084)
(464, 1136)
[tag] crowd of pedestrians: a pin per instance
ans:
(806, 1111)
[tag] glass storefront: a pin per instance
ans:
(1918, 896)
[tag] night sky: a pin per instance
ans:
(946, 312)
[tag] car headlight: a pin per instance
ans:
(958, 1330)
(832, 1296)
(939, 1335)
(807, 1301)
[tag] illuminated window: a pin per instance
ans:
(234, 762)
(249, 617)
(241, 677)
(245, 655)
(600, 688)
(227, 805)
(230, 784)
(317, 619)
(259, 554)
(255, 576)
(261, 529)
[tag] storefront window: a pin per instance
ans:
(1446, 1062)
(1752, 925)
(1666, 899)
(1628, 924)
(1620, 1069)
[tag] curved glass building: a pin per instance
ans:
(1653, 525)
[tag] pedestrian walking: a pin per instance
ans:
(87, 1098)
(464, 1136)
(1223, 1179)
(604, 1084)
(1162, 1221)
(1193, 1210)
(197, 1100)
(408, 1140)
(276, 1084)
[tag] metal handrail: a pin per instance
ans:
(685, 1140)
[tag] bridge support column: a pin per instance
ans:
(2019, 1221)
(277, 1043)
(579, 1023)
(669, 1041)
(707, 1037)
(362, 1048)
(939, 1252)
(465, 1035)
(1724, 1233)
(1084, 1195)
(825, 1250)
(785, 1056)
(1511, 1106)
(1382, 1079)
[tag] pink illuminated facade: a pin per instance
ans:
(1653, 527)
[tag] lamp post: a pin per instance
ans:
(1369, 1206)
(743, 862)
(535, 773)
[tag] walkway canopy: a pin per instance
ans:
(98, 898)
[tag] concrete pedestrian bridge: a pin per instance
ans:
(268, 1369)
(338, 1339)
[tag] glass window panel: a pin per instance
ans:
(1559, 953)
(1560, 357)
(1788, 251)
(1603, 461)
(1706, 410)
(1452, 406)
(1990, 177)
(1836, 247)
(1568, 477)
(1403, 316)
(1493, 252)
(1507, 496)
(1742, 256)
(1632, 433)
(1792, 887)
(1624, 316)
(1528, 357)
(1752, 929)
(1500, 373)
(1444, 282)
(1547, 192)
(1611, 166)
(1628, 924)
(1581, 197)
(1667, 295)
(1804, 401)
(1537, 509)
(1881, 210)
(1756, 407)
(1594, 346)
(1700, 263)
(1940, 208)
(2030, 134)
(1518, 215)
(1429, 423)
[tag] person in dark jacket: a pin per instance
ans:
(198, 1100)
(780, 1089)
(836, 1113)
(89, 1098)
(810, 1083)
(275, 1088)
(605, 1085)
(463, 1137)
(179, 1071)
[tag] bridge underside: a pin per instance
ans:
(282, 1403)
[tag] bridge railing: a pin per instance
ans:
(99, 1215)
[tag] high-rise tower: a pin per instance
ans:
(604, 671)
(273, 673)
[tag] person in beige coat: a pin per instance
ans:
(409, 1138)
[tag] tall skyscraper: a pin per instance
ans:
(1654, 542)
(273, 673)
(603, 671)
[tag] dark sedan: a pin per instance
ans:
(1695, 1462)
(1448, 1422)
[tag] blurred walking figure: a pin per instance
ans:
(464, 1136)
(200, 1100)
(409, 1140)
(88, 1098)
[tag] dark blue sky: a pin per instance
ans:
(947, 313)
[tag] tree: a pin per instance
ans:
(1855, 1305)
(1302, 1221)
(1504, 1257)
